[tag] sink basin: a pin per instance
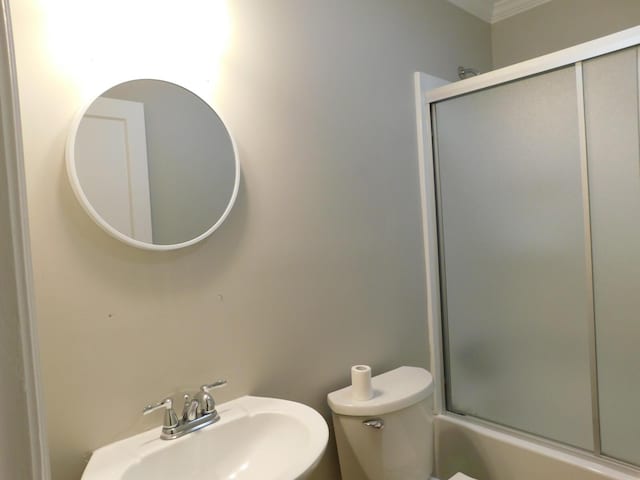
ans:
(255, 438)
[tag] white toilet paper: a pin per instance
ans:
(361, 382)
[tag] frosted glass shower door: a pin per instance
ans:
(516, 288)
(611, 110)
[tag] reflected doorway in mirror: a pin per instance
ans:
(182, 192)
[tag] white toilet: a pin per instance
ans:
(390, 436)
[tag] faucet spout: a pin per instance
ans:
(192, 410)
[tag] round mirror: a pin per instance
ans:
(153, 165)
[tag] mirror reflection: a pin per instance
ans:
(153, 164)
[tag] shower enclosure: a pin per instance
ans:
(532, 205)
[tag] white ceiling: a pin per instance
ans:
(493, 11)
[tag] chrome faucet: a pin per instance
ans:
(198, 411)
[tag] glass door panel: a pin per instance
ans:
(611, 113)
(516, 291)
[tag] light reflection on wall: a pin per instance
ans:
(97, 43)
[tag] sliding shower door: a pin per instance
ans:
(611, 112)
(515, 272)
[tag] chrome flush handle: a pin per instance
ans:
(376, 423)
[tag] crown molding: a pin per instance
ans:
(483, 9)
(507, 8)
(493, 11)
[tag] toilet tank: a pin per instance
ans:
(402, 448)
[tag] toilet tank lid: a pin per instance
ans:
(393, 390)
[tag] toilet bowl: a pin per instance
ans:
(390, 436)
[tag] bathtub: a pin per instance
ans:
(486, 453)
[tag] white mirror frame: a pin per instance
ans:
(72, 174)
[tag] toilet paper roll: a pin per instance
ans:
(361, 382)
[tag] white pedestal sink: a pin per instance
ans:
(256, 438)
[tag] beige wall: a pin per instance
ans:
(559, 24)
(319, 265)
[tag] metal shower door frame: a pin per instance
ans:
(425, 100)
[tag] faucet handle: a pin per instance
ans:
(207, 403)
(211, 386)
(170, 417)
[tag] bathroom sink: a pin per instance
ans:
(255, 438)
